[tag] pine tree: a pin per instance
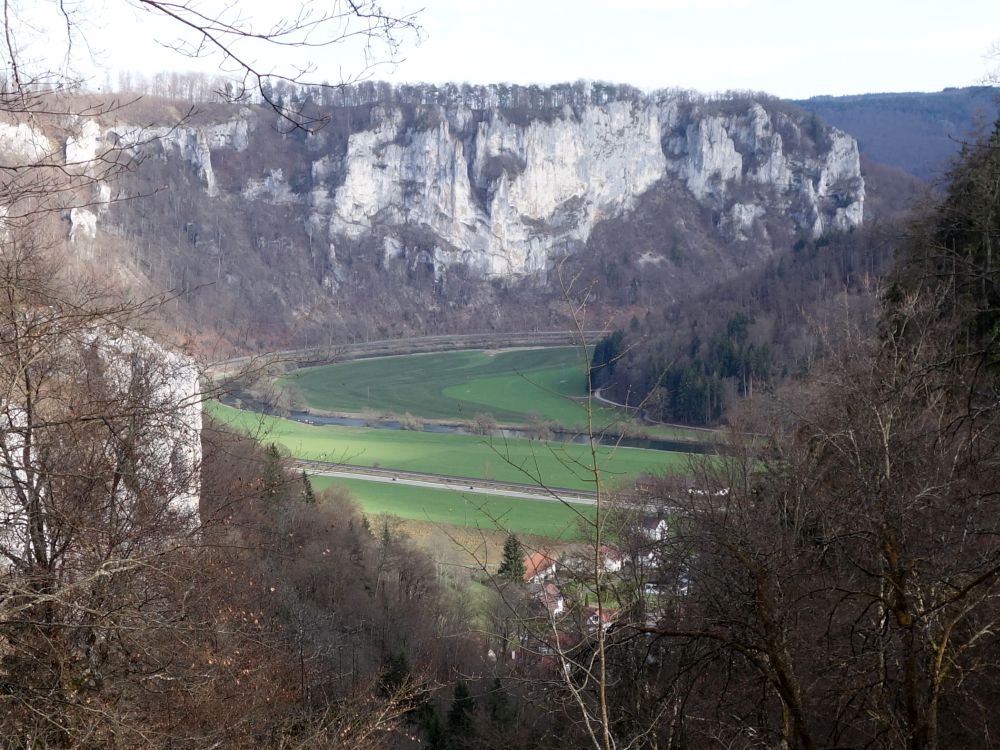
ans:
(512, 565)
(308, 494)
(499, 706)
(274, 475)
(460, 716)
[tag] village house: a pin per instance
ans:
(538, 568)
(611, 558)
(654, 528)
(549, 596)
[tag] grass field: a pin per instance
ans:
(555, 464)
(462, 547)
(510, 385)
(549, 383)
(467, 509)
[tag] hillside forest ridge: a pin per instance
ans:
(377, 416)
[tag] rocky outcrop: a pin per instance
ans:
(150, 434)
(507, 200)
(435, 191)
(503, 195)
(24, 142)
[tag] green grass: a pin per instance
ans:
(511, 385)
(555, 464)
(521, 516)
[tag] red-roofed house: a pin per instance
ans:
(591, 616)
(538, 567)
(552, 598)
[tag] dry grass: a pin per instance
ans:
(461, 547)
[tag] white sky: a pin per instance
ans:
(786, 47)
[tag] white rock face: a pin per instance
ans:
(83, 148)
(541, 186)
(710, 158)
(194, 149)
(83, 225)
(273, 188)
(192, 144)
(24, 142)
(527, 192)
(233, 134)
(742, 217)
(82, 151)
(718, 153)
(172, 414)
(843, 164)
(500, 194)
(162, 430)
(505, 194)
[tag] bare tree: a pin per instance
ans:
(264, 54)
(104, 626)
(236, 40)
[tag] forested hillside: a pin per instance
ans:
(919, 133)
(688, 362)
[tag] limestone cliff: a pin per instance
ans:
(504, 198)
(502, 195)
(426, 193)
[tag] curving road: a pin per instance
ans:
(602, 399)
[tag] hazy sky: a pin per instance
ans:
(791, 48)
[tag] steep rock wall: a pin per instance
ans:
(437, 202)
(542, 186)
(503, 195)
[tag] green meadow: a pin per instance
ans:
(511, 385)
(514, 386)
(514, 460)
(454, 507)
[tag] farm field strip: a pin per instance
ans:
(468, 509)
(559, 465)
(512, 385)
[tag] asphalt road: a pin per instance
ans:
(443, 482)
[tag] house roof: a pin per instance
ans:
(607, 615)
(610, 553)
(537, 564)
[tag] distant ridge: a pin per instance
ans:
(917, 132)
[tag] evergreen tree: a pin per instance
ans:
(460, 716)
(429, 720)
(512, 566)
(499, 706)
(606, 355)
(396, 671)
(275, 487)
(308, 494)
